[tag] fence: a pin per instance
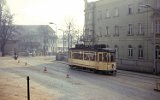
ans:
(138, 65)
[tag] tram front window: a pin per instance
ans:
(108, 57)
(112, 57)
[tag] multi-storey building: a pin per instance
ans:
(132, 27)
(36, 38)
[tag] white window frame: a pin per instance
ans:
(100, 31)
(117, 53)
(116, 12)
(157, 52)
(157, 26)
(107, 13)
(116, 30)
(130, 9)
(130, 51)
(130, 29)
(140, 28)
(107, 30)
(140, 52)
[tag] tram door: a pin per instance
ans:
(100, 61)
(100, 57)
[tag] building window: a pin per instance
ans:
(140, 51)
(157, 52)
(158, 4)
(116, 30)
(100, 31)
(100, 15)
(107, 30)
(140, 28)
(130, 29)
(116, 49)
(140, 9)
(130, 9)
(107, 13)
(116, 12)
(130, 51)
(157, 27)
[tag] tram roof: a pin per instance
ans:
(94, 49)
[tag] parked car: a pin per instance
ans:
(61, 56)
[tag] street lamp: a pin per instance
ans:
(154, 35)
(55, 34)
(149, 6)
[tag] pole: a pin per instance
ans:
(63, 41)
(57, 38)
(69, 37)
(55, 49)
(28, 92)
(154, 45)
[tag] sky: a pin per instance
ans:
(35, 12)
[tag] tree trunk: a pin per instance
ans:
(2, 50)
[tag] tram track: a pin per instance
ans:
(124, 73)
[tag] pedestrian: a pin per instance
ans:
(15, 56)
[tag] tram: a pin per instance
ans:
(97, 58)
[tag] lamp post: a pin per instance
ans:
(55, 34)
(154, 35)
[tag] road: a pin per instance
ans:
(86, 85)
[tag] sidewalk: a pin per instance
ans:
(14, 87)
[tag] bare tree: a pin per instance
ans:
(6, 26)
(73, 32)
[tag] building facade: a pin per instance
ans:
(131, 27)
(36, 39)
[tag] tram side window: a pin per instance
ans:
(70, 54)
(105, 57)
(100, 57)
(92, 57)
(112, 57)
(86, 57)
(77, 56)
(81, 56)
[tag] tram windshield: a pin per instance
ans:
(109, 57)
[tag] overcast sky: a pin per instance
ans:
(45, 11)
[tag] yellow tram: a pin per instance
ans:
(96, 58)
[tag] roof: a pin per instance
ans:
(94, 49)
(33, 29)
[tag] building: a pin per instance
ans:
(132, 27)
(36, 39)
